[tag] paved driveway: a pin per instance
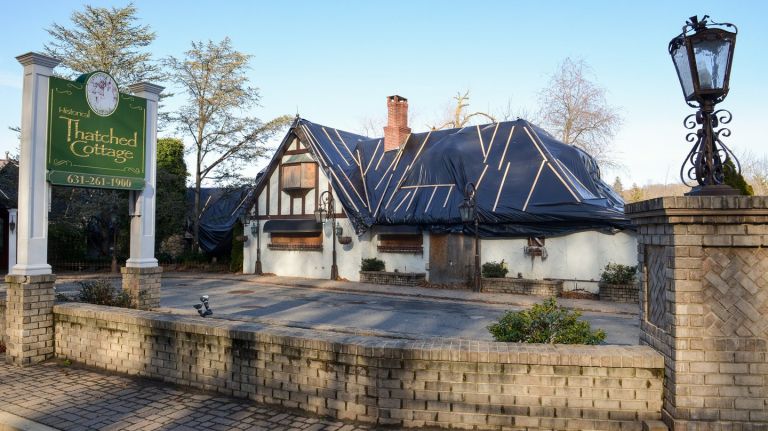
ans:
(355, 311)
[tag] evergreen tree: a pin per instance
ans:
(635, 194)
(105, 39)
(617, 186)
(171, 189)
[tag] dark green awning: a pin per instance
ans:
(397, 229)
(292, 226)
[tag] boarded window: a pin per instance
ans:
(296, 241)
(299, 176)
(401, 243)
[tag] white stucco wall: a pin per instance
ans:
(402, 262)
(578, 258)
(310, 264)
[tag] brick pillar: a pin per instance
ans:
(143, 284)
(29, 318)
(704, 307)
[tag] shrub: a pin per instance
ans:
(163, 257)
(193, 257)
(101, 292)
(547, 322)
(372, 264)
(616, 273)
(495, 269)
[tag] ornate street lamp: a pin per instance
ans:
(469, 214)
(703, 54)
(326, 211)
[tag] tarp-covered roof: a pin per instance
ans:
(221, 209)
(528, 183)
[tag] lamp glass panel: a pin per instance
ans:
(711, 62)
(465, 211)
(680, 58)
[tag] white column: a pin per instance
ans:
(12, 219)
(33, 189)
(142, 203)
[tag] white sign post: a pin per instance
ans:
(33, 189)
(141, 274)
(30, 296)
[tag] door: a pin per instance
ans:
(451, 257)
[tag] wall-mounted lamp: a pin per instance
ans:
(12, 223)
(255, 229)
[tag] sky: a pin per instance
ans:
(334, 62)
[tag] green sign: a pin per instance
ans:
(95, 134)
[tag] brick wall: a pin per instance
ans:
(393, 278)
(2, 321)
(523, 286)
(620, 292)
(29, 318)
(442, 382)
(704, 306)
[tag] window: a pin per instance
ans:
(298, 176)
(536, 247)
(296, 241)
(401, 243)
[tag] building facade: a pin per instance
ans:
(542, 207)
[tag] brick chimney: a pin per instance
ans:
(396, 130)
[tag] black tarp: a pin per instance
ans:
(528, 183)
(221, 209)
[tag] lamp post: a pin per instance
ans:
(326, 211)
(469, 214)
(253, 220)
(255, 234)
(702, 55)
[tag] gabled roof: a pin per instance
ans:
(528, 183)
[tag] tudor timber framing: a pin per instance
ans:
(275, 168)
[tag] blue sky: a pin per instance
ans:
(336, 61)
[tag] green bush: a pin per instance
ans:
(193, 257)
(495, 269)
(733, 178)
(547, 322)
(101, 292)
(372, 264)
(163, 257)
(616, 273)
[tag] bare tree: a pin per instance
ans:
(754, 167)
(510, 112)
(458, 117)
(372, 126)
(575, 110)
(213, 75)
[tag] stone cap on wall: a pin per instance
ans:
(443, 349)
(699, 209)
